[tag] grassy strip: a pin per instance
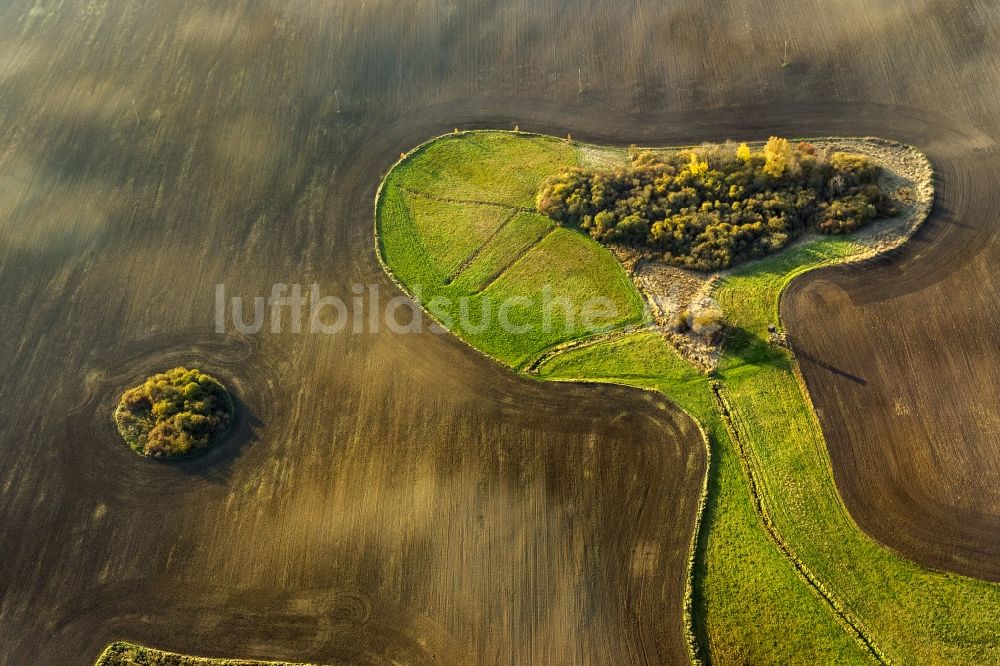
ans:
(844, 616)
(697, 648)
(121, 653)
(522, 233)
(532, 366)
(920, 615)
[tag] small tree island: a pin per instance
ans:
(174, 413)
(712, 207)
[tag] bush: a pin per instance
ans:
(716, 206)
(777, 157)
(706, 319)
(174, 413)
(679, 321)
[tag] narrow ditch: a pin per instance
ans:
(843, 616)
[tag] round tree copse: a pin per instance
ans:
(174, 413)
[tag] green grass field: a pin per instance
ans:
(495, 167)
(450, 232)
(509, 261)
(791, 580)
(522, 231)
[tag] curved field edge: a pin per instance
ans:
(916, 615)
(747, 604)
(124, 653)
(729, 628)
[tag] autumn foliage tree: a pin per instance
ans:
(777, 157)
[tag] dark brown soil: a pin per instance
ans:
(901, 358)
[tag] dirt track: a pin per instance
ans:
(398, 496)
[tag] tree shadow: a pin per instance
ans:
(216, 462)
(809, 358)
(751, 349)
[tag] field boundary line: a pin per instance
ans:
(532, 365)
(110, 651)
(455, 274)
(466, 202)
(404, 158)
(495, 275)
(380, 258)
(695, 649)
(843, 616)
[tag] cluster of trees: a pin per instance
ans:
(175, 412)
(716, 206)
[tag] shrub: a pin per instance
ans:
(174, 413)
(743, 152)
(679, 321)
(706, 318)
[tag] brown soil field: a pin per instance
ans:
(398, 497)
(901, 359)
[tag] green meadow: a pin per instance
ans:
(456, 227)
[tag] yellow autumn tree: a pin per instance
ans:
(696, 166)
(743, 152)
(778, 157)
